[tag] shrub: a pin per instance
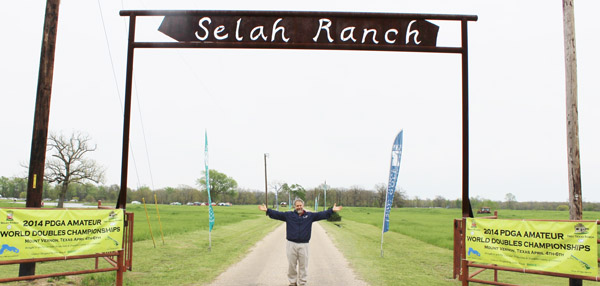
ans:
(335, 217)
(562, 208)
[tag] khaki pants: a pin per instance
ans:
(297, 255)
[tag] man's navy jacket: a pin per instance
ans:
(298, 227)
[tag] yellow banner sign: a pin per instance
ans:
(561, 247)
(26, 233)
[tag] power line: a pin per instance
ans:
(143, 132)
(116, 84)
(140, 108)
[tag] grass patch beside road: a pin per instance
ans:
(435, 225)
(183, 219)
(418, 247)
(408, 261)
(184, 259)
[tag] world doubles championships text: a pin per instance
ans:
(529, 244)
(58, 232)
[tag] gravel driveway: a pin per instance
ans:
(266, 264)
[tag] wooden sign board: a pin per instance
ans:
(300, 30)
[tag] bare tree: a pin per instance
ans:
(277, 186)
(510, 200)
(68, 163)
(381, 190)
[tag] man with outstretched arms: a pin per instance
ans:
(298, 230)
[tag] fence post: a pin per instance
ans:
(465, 272)
(120, 267)
(457, 249)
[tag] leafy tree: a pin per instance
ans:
(12, 187)
(457, 203)
(220, 184)
(439, 201)
(170, 194)
(141, 192)
(400, 198)
(4, 186)
(189, 194)
(417, 202)
(295, 190)
(68, 163)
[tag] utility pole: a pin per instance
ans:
(276, 203)
(266, 194)
(277, 187)
(575, 199)
(39, 138)
(325, 193)
(42, 107)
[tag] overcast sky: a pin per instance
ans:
(321, 115)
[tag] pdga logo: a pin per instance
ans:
(9, 216)
(581, 229)
(112, 216)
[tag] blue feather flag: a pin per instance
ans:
(394, 170)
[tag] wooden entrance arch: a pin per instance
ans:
(300, 30)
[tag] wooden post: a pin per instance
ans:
(467, 211)
(122, 199)
(39, 138)
(575, 199)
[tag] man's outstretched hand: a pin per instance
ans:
(336, 208)
(262, 208)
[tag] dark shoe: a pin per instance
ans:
(292, 284)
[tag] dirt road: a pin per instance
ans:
(266, 264)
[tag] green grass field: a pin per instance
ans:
(431, 231)
(435, 225)
(184, 219)
(418, 247)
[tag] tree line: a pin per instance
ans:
(89, 192)
(71, 176)
(16, 187)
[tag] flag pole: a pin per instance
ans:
(211, 214)
(383, 223)
(382, 226)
